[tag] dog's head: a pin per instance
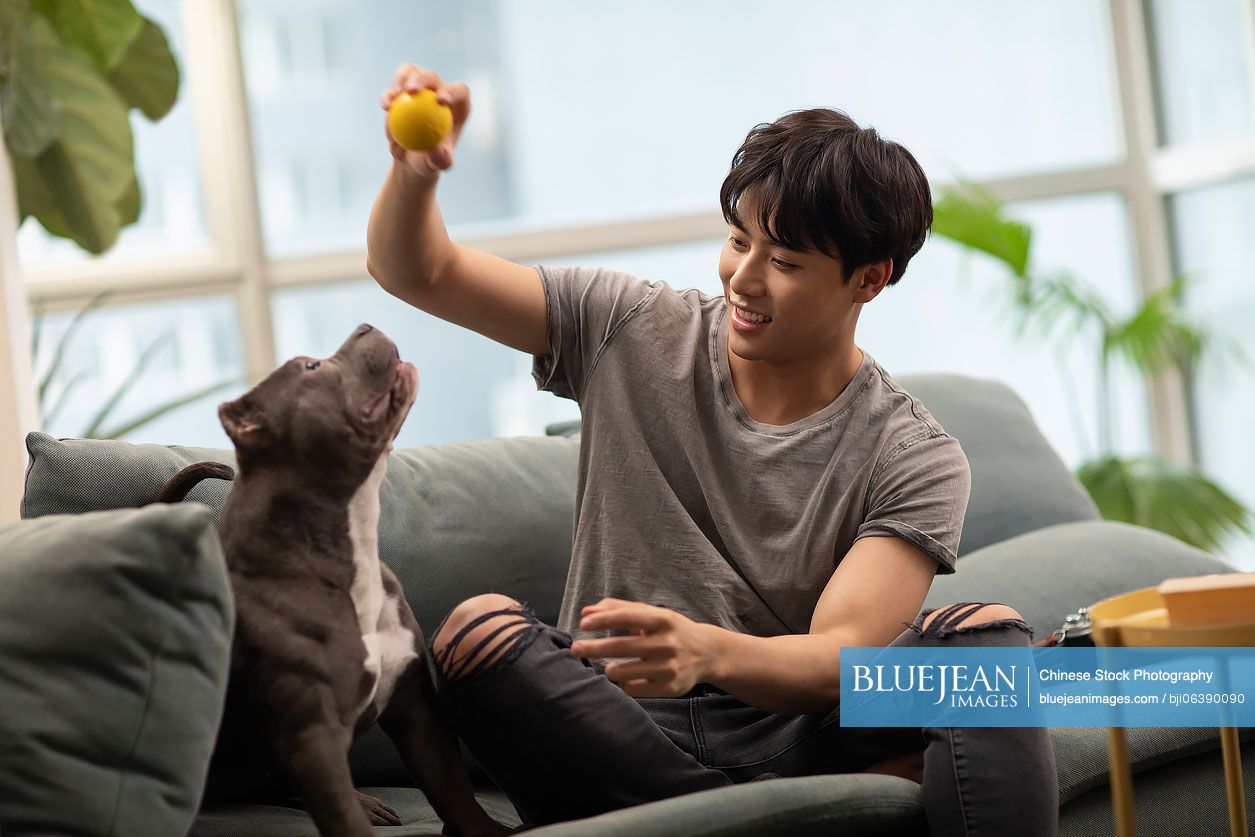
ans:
(329, 420)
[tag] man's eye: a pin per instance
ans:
(785, 265)
(312, 364)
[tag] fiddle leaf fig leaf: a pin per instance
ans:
(88, 171)
(148, 76)
(100, 29)
(130, 204)
(27, 111)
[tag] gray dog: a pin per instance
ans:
(325, 642)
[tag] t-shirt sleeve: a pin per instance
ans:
(586, 307)
(920, 493)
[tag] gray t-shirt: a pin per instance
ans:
(685, 501)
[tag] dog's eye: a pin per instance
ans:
(312, 364)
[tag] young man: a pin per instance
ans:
(755, 493)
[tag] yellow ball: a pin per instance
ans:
(417, 121)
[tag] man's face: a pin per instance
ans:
(810, 309)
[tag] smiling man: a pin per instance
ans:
(755, 493)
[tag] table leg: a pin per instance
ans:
(1233, 780)
(1121, 781)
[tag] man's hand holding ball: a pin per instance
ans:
(425, 118)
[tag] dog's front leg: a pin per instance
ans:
(316, 757)
(430, 751)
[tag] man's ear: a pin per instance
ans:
(871, 279)
(240, 419)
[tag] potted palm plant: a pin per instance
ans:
(1148, 490)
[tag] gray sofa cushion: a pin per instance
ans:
(1185, 796)
(1019, 483)
(1047, 574)
(418, 819)
(73, 476)
(1081, 752)
(807, 806)
(115, 635)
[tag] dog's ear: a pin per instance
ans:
(240, 419)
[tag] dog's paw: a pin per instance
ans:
(378, 812)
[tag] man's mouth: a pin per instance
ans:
(748, 319)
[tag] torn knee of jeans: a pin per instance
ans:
(481, 658)
(947, 622)
(985, 626)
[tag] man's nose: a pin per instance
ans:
(745, 282)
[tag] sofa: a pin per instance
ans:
(116, 617)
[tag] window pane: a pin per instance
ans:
(569, 123)
(1203, 58)
(198, 346)
(1215, 247)
(469, 386)
(167, 164)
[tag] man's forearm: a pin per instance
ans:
(793, 674)
(406, 240)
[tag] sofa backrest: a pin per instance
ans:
(1019, 483)
(496, 515)
(455, 520)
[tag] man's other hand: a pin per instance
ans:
(671, 652)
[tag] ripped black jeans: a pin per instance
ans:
(563, 741)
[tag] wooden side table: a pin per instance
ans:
(1140, 618)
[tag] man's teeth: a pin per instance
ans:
(751, 317)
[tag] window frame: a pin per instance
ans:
(237, 264)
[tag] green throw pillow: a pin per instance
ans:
(115, 636)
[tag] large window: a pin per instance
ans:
(1215, 230)
(600, 134)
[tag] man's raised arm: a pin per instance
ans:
(410, 254)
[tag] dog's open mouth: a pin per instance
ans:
(401, 391)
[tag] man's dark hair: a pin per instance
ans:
(834, 187)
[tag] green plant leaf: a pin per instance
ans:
(1174, 499)
(102, 30)
(973, 217)
(1061, 301)
(11, 12)
(87, 171)
(37, 328)
(167, 407)
(130, 204)
(47, 417)
(148, 76)
(35, 199)
(1159, 333)
(31, 121)
(58, 353)
(129, 381)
